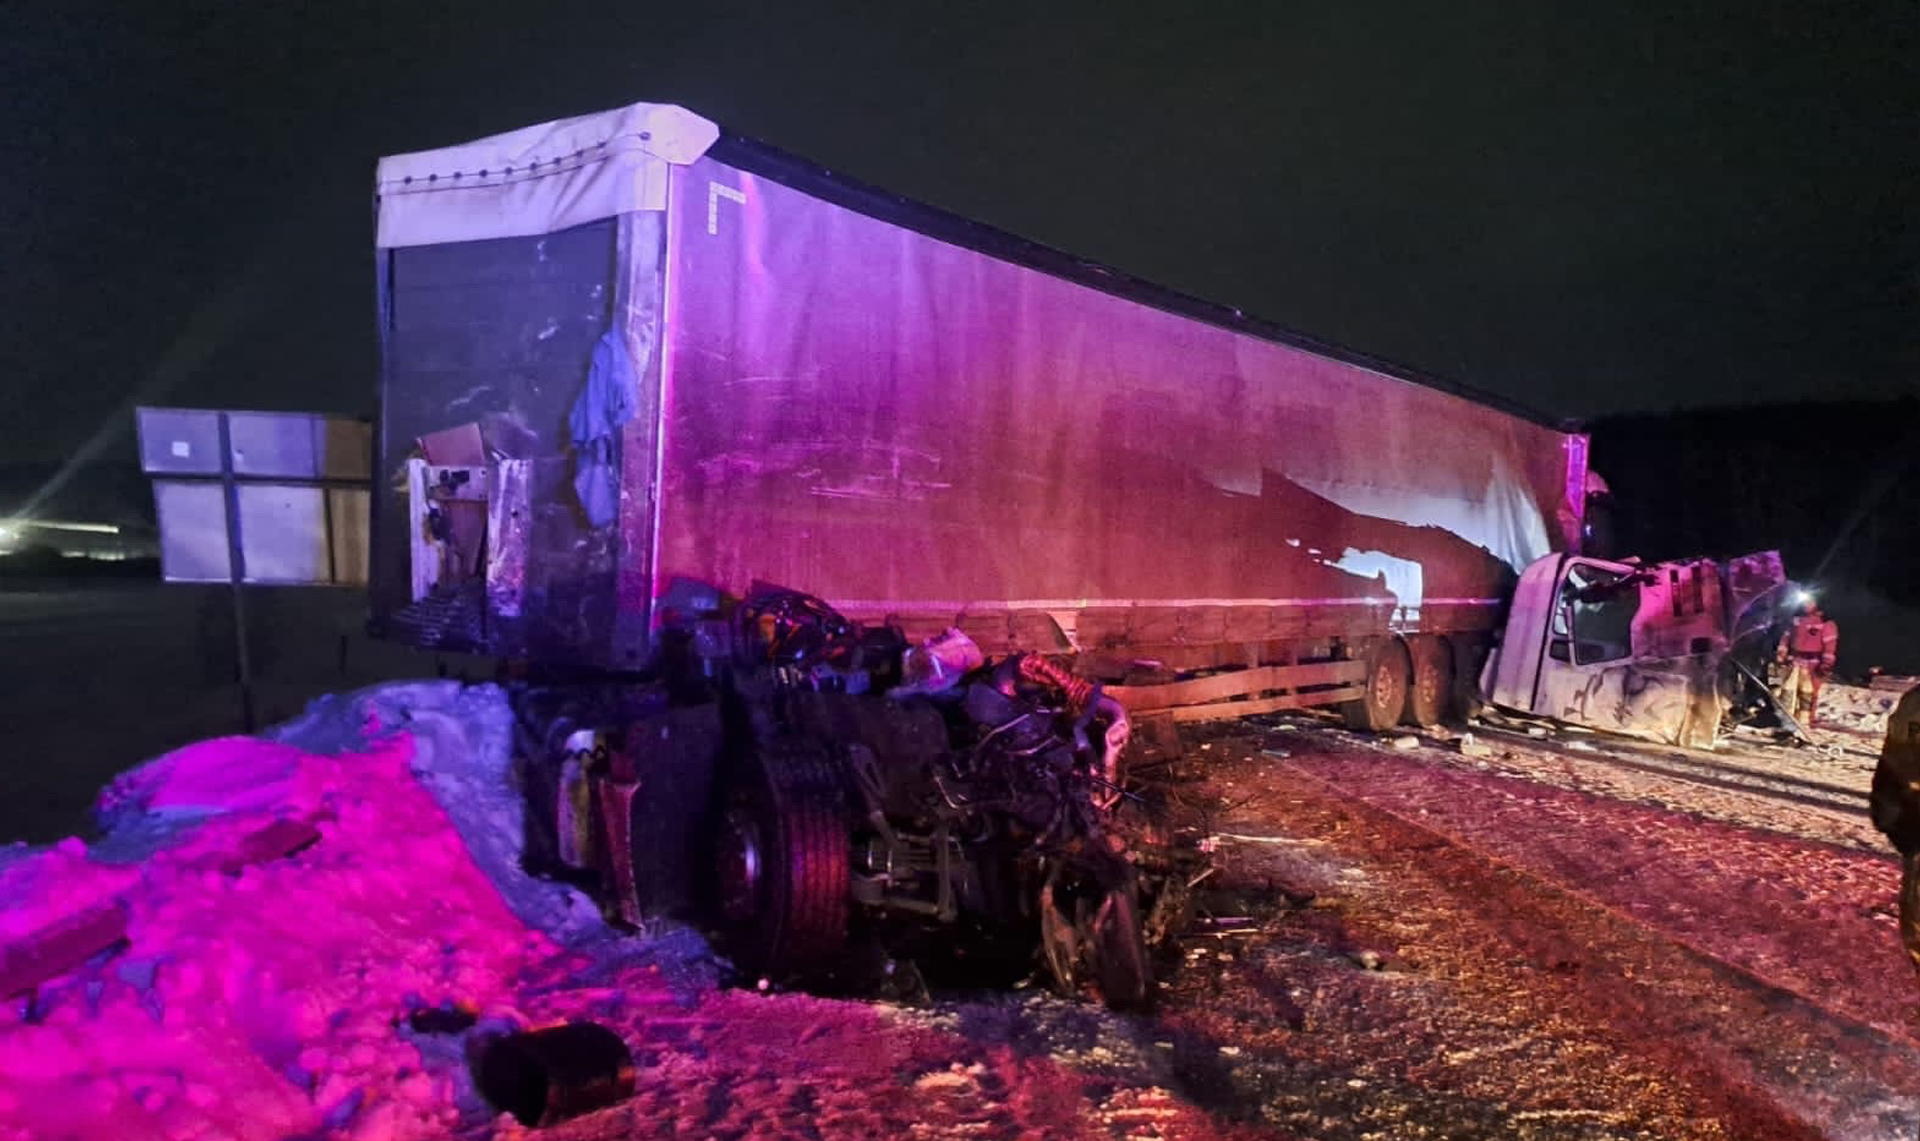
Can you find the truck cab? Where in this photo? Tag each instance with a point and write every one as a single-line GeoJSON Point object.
{"type": "Point", "coordinates": [1625, 647]}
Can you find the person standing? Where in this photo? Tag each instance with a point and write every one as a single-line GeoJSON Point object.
{"type": "Point", "coordinates": [1894, 805]}
{"type": "Point", "coordinates": [1807, 649]}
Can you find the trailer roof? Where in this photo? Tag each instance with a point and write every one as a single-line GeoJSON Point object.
{"type": "Point", "coordinates": [552, 176]}
{"type": "Point", "coordinates": [539, 179]}
{"type": "Point", "coordinates": [791, 170]}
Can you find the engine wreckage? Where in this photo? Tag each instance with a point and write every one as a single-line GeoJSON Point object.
{"type": "Point", "coordinates": [868, 795]}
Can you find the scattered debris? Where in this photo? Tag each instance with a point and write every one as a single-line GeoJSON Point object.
{"type": "Point", "coordinates": [283, 837]}
{"type": "Point", "coordinates": [543, 1077]}
{"type": "Point", "coordinates": [60, 946]}
{"type": "Point", "coordinates": [1471, 746]}
{"type": "Point", "coordinates": [397, 935]}
{"type": "Point", "coordinates": [1407, 742]}
{"type": "Point", "coordinates": [1369, 960]}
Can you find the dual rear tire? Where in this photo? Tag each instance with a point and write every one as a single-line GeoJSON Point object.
{"type": "Point", "coordinates": [1407, 680]}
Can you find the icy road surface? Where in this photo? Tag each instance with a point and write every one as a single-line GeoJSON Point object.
{"type": "Point", "coordinates": [1564, 939]}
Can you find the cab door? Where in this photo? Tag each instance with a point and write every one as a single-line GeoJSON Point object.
{"type": "Point", "coordinates": [1611, 661]}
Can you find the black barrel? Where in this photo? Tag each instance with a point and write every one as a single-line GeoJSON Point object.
{"type": "Point", "coordinates": [548, 1075]}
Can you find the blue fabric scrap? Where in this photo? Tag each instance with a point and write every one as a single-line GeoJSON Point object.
{"type": "Point", "coordinates": [603, 406]}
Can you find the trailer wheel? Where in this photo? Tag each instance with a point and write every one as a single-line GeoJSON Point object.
{"type": "Point", "coordinates": [1379, 708]}
{"type": "Point", "coordinates": [782, 862]}
{"type": "Point", "coordinates": [1430, 696]}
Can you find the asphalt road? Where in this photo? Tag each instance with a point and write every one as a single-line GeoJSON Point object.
{"type": "Point", "coordinates": [95, 678]}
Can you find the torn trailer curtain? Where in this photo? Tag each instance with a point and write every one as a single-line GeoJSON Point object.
{"type": "Point", "coordinates": [911, 415]}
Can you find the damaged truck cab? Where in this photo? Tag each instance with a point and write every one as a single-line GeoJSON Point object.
{"type": "Point", "coordinates": [1649, 651]}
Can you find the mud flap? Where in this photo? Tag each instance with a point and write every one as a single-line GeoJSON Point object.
{"type": "Point", "coordinates": [615, 801]}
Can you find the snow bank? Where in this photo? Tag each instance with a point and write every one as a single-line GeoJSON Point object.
{"type": "Point", "coordinates": [463, 754]}
{"type": "Point", "coordinates": [264, 994]}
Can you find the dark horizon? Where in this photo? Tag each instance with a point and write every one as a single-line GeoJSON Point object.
{"type": "Point", "coordinates": [1585, 213]}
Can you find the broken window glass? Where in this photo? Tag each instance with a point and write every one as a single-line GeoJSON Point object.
{"type": "Point", "coordinates": [1595, 615]}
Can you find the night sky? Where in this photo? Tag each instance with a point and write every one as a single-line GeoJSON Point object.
{"type": "Point", "coordinates": [1584, 209]}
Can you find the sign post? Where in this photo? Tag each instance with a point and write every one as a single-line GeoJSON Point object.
{"type": "Point", "coordinates": [236, 572]}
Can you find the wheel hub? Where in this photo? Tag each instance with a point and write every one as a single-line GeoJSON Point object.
{"type": "Point", "coordinates": [740, 867]}
{"type": "Point", "coordinates": [1427, 679]}
{"type": "Point", "coordinates": [1383, 683]}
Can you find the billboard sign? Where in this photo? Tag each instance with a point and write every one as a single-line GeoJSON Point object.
{"type": "Point", "coordinates": [265, 498]}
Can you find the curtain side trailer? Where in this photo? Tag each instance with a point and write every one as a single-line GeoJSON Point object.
{"type": "Point", "coordinates": [664, 363]}
{"type": "Point", "coordinates": [865, 534]}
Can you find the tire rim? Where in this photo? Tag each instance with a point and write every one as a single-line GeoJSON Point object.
{"type": "Point", "coordinates": [740, 867]}
{"type": "Point", "coordinates": [1427, 685]}
{"type": "Point", "coordinates": [1383, 684]}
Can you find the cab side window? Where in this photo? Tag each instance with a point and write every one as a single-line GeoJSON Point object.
{"type": "Point", "coordinates": [1593, 616]}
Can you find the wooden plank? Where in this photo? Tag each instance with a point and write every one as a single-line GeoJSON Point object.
{"type": "Point", "coordinates": [274, 840]}
{"type": "Point", "coordinates": [1221, 710]}
{"type": "Point", "coordinates": [1157, 631]}
{"type": "Point", "coordinates": [60, 946]}
{"type": "Point", "coordinates": [1037, 630]}
{"type": "Point", "coordinates": [1205, 624]}
{"type": "Point", "coordinates": [1237, 683]}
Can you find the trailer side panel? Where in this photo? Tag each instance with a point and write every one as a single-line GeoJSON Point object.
{"type": "Point", "coordinates": [906, 426]}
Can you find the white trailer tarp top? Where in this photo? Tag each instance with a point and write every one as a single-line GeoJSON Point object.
{"type": "Point", "coordinates": [540, 179]}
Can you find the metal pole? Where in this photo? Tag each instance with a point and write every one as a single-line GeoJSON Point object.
{"type": "Point", "coordinates": [236, 573]}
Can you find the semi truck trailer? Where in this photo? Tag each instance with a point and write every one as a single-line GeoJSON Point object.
{"type": "Point", "coordinates": [844, 543]}
{"type": "Point", "coordinates": [629, 355]}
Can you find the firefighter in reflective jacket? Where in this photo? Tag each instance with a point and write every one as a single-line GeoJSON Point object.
{"type": "Point", "coordinates": [1807, 650]}
{"type": "Point", "coordinates": [1895, 807]}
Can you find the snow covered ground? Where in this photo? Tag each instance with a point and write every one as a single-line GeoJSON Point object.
{"type": "Point", "coordinates": [263, 993]}
{"type": "Point", "coordinates": [1857, 708]}
{"type": "Point", "coordinates": [1563, 939]}
{"type": "Point", "coordinates": [266, 995]}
